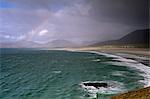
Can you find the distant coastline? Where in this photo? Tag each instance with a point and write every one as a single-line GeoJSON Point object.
{"type": "Point", "coordinates": [113, 49]}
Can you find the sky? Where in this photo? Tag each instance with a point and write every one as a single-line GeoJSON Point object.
{"type": "Point", "coordinates": [79, 21]}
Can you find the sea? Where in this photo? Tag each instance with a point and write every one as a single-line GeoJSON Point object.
{"type": "Point", "coordinates": [59, 74]}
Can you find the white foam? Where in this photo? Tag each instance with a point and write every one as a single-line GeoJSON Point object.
{"type": "Point", "coordinates": [125, 60]}
{"type": "Point", "coordinates": [97, 60]}
{"type": "Point", "coordinates": [56, 72]}
{"type": "Point", "coordinates": [134, 56]}
{"type": "Point", "coordinates": [113, 88]}
{"type": "Point", "coordinates": [130, 63]}
{"type": "Point", "coordinates": [118, 73]}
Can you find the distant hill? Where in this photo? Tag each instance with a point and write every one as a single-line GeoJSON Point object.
{"type": "Point", "coordinates": [136, 38]}
{"type": "Point", "coordinates": [31, 44]}
{"type": "Point", "coordinates": [19, 44]}
{"type": "Point", "coordinates": [60, 44]}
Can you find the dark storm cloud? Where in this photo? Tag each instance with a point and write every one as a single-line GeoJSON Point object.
{"type": "Point", "coordinates": [133, 12]}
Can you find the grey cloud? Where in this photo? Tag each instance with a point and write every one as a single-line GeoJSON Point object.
{"type": "Point", "coordinates": [43, 4]}
{"type": "Point", "coordinates": [18, 21]}
{"type": "Point", "coordinates": [133, 12]}
{"type": "Point", "coordinates": [77, 20]}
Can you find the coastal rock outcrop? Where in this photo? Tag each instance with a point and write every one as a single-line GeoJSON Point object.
{"type": "Point", "coordinates": [96, 84]}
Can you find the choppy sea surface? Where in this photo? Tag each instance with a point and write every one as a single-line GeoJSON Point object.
{"type": "Point", "coordinates": [52, 74]}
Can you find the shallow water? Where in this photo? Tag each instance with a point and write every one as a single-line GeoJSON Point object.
{"type": "Point", "coordinates": [43, 74]}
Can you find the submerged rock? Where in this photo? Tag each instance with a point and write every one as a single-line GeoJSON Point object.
{"type": "Point", "coordinates": [96, 84]}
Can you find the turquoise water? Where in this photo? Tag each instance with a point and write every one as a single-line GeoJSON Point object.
{"type": "Point", "coordinates": [43, 74]}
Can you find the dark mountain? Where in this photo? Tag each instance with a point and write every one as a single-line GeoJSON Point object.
{"type": "Point", "coordinates": [138, 37]}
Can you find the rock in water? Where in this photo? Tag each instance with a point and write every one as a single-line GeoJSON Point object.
{"type": "Point", "coordinates": [96, 85]}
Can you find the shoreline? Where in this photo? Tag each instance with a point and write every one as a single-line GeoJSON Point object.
{"type": "Point", "coordinates": [135, 51]}
{"type": "Point", "coordinates": [129, 62]}
{"type": "Point", "coordinates": [141, 56]}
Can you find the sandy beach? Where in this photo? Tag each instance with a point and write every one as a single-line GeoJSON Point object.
{"type": "Point", "coordinates": [137, 51]}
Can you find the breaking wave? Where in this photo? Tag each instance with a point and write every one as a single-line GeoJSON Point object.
{"type": "Point", "coordinates": [121, 61]}
{"type": "Point", "coordinates": [113, 87]}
